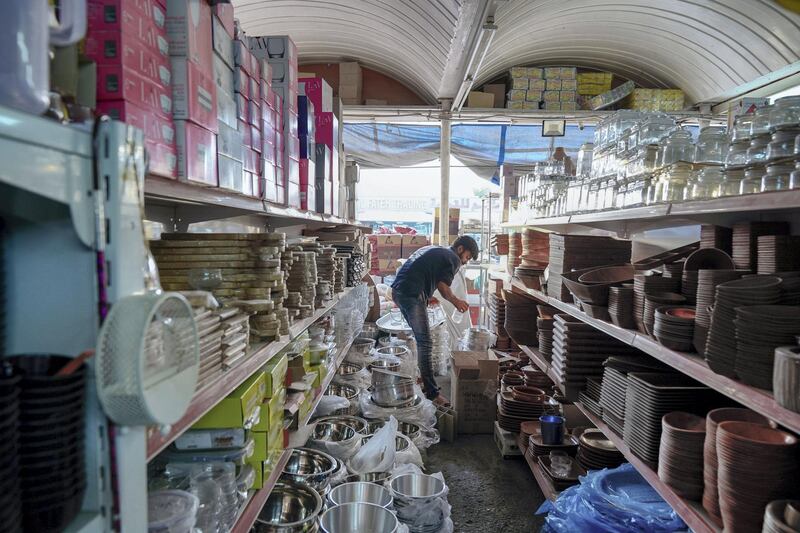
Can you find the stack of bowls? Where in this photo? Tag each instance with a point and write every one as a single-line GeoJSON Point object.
{"type": "Point", "coordinates": [310, 467]}
{"type": "Point", "coordinates": [389, 365]}
{"type": "Point", "coordinates": [290, 508]}
{"type": "Point", "coordinates": [346, 391]}
{"type": "Point", "coordinates": [782, 516]}
{"type": "Point", "coordinates": [649, 284]}
{"type": "Point", "coordinates": [759, 330]}
{"type": "Point", "coordinates": [721, 343]}
{"type": "Point", "coordinates": [706, 289]}
{"type": "Point", "coordinates": [545, 328]}
{"type": "Point", "coordinates": [536, 378]}
{"type": "Point", "coordinates": [702, 259]}
{"type": "Point", "coordinates": [361, 347]}
{"type": "Point", "coordinates": [757, 464]}
{"type": "Point", "coordinates": [596, 451]}
{"type": "Point", "coordinates": [710, 463]}
{"type": "Point", "coordinates": [10, 515]}
{"type": "Point", "coordinates": [356, 422]}
{"type": "Point", "coordinates": [333, 437]}
{"type": "Point", "coordinates": [620, 306]}
{"type": "Point", "coordinates": [390, 389]}
{"type": "Point", "coordinates": [170, 511]}
{"type": "Point", "coordinates": [786, 377]}
{"type": "Point", "coordinates": [51, 415]}
{"type": "Point", "coordinates": [358, 518]}
{"type": "Point", "coordinates": [401, 442]}
{"type": "Point", "coordinates": [410, 430]}
{"type": "Point", "coordinates": [413, 495]}
{"type": "Point", "coordinates": [360, 492]}
{"type": "Point", "coordinates": [674, 327]}
{"type": "Point", "coordinates": [680, 457]}
{"type": "Point", "coordinates": [400, 351]}
{"type": "Point", "coordinates": [379, 478]}
{"type": "Point", "coordinates": [653, 301]}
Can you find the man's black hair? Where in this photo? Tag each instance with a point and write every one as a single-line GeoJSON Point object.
{"type": "Point", "coordinates": [468, 243]}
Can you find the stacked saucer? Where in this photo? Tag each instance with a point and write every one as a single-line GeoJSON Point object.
{"type": "Point", "coordinates": [615, 385]}
{"type": "Point", "coordinates": [500, 242]}
{"type": "Point", "coordinates": [535, 247]}
{"type": "Point", "coordinates": [706, 290]}
{"type": "Point", "coordinates": [590, 398]}
{"type": "Point", "coordinates": [680, 459]}
{"type": "Point", "coordinates": [596, 451]}
{"type": "Point", "coordinates": [673, 270]}
{"type": "Point", "coordinates": [536, 378]}
{"type": "Point", "coordinates": [513, 409]}
{"type": "Point", "coordinates": [760, 330]}
{"type": "Point", "coordinates": [703, 259]}
{"type": "Point", "coordinates": [620, 306]}
{"type": "Point", "coordinates": [721, 343]}
{"type": "Point", "coordinates": [778, 253]}
{"type": "Point", "coordinates": [745, 241]}
{"type": "Point", "coordinates": [790, 287]}
{"type": "Point", "coordinates": [537, 448]}
{"type": "Point", "coordinates": [545, 327]}
{"type": "Point", "coordinates": [654, 300]}
{"type": "Point", "coordinates": [514, 251]}
{"type": "Point", "coordinates": [649, 284]}
{"type": "Point", "coordinates": [674, 327]}
{"type": "Point", "coordinates": [782, 516]}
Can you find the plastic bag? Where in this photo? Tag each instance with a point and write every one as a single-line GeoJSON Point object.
{"type": "Point", "coordinates": [423, 414]}
{"type": "Point", "coordinates": [468, 343]}
{"type": "Point", "coordinates": [378, 454]}
{"type": "Point", "coordinates": [410, 455]}
{"type": "Point", "coordinates": [406, 468]}
{"type": "Point", "coordinates": [427, 437]}
{"type": "Point", "coordinates": [360, 380]}
{"type": "Point", "coordinates": [342, 450]}
{"type": "Point", "coordinates": [426, 514]}
{"type": "Point", "coordinates": [631, 507]}
{"type": "Point", "coordinates": [456, 329]}
{"type": "Point", "coordinates": [330, 403]}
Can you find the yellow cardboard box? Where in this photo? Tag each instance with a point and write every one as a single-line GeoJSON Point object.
{"type": "Point", "coordinates": [271, 410]}
{"type": "Point", "coordinates": [275, 374]}
{"type": "Point", "coordinates": [275, 437]}
{"type": "Point", "coordinates": [239, 408]}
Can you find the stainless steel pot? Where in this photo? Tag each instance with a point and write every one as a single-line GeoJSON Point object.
{"type": "Point", "coordinates": [360, 492]}
{"type": "Point", "coordinates": [408, 429]}
{"type": "Point", "coordinates": [385, 364]}
{"type": "Point", "coordinates": [397, 351]}
{"type": "Point", "coordinates": [355, 422]}
{"type": "Point", "coordinates": [371, 477]}
{"type": "Point", "coordinates": [401, 442]}
{"type": "Point", "coordinates": [347, 391]}
{"type": "Point", "coordinates": [348, 369]}
{"type": "Point", "coordinates": [290, 508]}
{"type": "Point", "coordinates": [416, 488]}
{"type": "Point", "coordinates": [358, 518]}
{"type": "Point", "coordinates": [332, 432]}
{"type": "Point", "coordinates": [374, 425]}
{"type": "Point", "coordinates": [312, 467]}
{"type": "Point", "coordinates": [362, 346]}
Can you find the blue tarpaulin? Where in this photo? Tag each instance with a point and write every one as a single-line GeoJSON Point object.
{"type": "Point", "coordinates": [482, 147]}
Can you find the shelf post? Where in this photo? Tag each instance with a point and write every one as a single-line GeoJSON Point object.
{"type": "Point", "coordinates": [444, 198]}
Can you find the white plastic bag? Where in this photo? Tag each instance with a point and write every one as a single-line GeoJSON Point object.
{"type": "Point", "coordinates": [343, 450]}
{"type": "Point", "coordinates": [330, 403]}
{"type": "Point", "coordinates": [360, 380]}
{"type": "Point", "coordinates": [378, 454]}
{"type": "Point", "coordinates": [427, 437]}
{"type": "Point", "coordinates": [425, 514]}
{"type": "Point", "coordinates": [410, 455]}
{"type": "Point", "coordinates": [422, 414]}
{"type": "Point", "coordinates": [456, 329]}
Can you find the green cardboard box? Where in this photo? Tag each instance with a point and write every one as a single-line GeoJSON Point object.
{"type": "Point", "coordinates": [239, 408]}
{"type": "Point", "coordinates": [258, 466]}
{"type": "Point", "coordinates": [271, 410]}
{"type": "Point", "coordinates": [275, 374]}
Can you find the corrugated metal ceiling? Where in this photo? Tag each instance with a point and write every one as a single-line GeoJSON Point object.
{"type": "Point", "coordinates": [705, 47]}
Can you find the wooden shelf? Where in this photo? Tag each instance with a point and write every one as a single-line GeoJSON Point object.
{"type": "Point", "coordinates": [211, 394]}
{"type": "Point", "coordinates": [544, 482]}
{"type": "Point", "coordinates": [253, 507]}
{"type": "Point", "coordinates": [692, 365]}
{"type": "Point", "coordinates": [691, 512]}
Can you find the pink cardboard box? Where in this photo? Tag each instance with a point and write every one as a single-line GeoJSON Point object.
{"type": "Point", "coordinates": [247, 134]}
{"type": "Point", "coordinates": [189, 31]}
{"type": "Point", "coordinates": [257, 139]}
{"type": "Point", "coordinates": [328, 205]}
{"type": "Point", "coordinates": [162, 159]}
{"type": "Point", "coordinates": [241, 82]}
{"type": "Point", "coordinates": [319, 92]}
{"type": "Point", "coordinates": [197, 153]}
{"type": "Point", "coordinates": [229, 173]}
{"type": "Point", "coordinates": [242, 109]}
{"type": "Point", "coordinates": [293, 194]}
{"type": "Point", "coordinates": [251, 158]}
{"type": "Point", "coordinates": [157, 128]}
{"type": "Point", "coordinates": [276, 46]}
{"type": "Point", "coordinates": [254, 114]}
{"type": "Point", "coordinates": [325, 134]}
{"type": "Point", "coordinates": [109, 47]}
{"type": "Point", "coordinates": [124, 15]}
{"type": "Point", "coordinates": [124, 84]}
{"type": "Point", "coordinates": [242, 56]}
{"type": "Point", "coordinates": [224, 12]}
{"type": "Point", "coordinates": [248, 181]}
{"type": "Point", "coordinates": [280, 195]}
{"type": "Point", "coordinates": [133, 55]}
{"type": "Point", "coordinates": [194, 94]}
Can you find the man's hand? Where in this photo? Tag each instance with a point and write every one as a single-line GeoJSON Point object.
{"type": "Point", "coordinates": [460, 304]}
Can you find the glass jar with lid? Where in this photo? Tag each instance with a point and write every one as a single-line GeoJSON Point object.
{"type": "Point", "coordinates": [737, 153]}
{"type": "Point", "coordinates": [760, 124]}
{"type": "Point", "coordinates": [741, 127]}
{"type": "Point", "coordinates": [785, 113]}
{"type": "Point", "coordinates": [583, 166]}
{"type": "Point", "coordinates": [782, 143]}
{"type": "Point", "coordinates": [677, 178]}
{"type": "Point", "coordinates": [777, 177]}
{"type": "Point", "coordinates": [712, 145]}
{"type": "Point", "coordinates": [757, 151]}
{"type": "Point", "coordinates": [752, 179]}
{"type": "Point", "coordinates": [705, 183]}
{"type": "Point", "coordinates": [677, 147]}
{"type": "Point", "coordinates": [731, 182]}
{"type": "Point", "coordinates": [654, 128]}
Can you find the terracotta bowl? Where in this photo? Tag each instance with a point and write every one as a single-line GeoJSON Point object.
{"type": "Point", "coordinates": [736, 414]}
{"type": "Point", "coordinates": [755, 433]}
{"type": "Point", "coordinates": [527, 394]}
{"type": "Point", "coordinates": [709, 259]}
{"type": "Point", "coordinates": [679, 421]}
{"type": "Point", "coordinates": [611, 274]}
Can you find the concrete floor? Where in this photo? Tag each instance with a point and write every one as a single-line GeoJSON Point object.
{"type": "Point", "coordinates": [487, 493]}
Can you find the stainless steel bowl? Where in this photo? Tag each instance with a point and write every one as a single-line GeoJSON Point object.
{"type": "Point", "coordinates": [341, 389]}
{"type": "Point", "coordinates": [393, 395]}
{"type": "Point", "coordinates": [379, 478]}
{"type": "Point", "coordinates": [355, 422]}
{"type": "Point", "coordinates": [362, 345]}
{"type": "Point", "coordinates": [348, 369]}
{"type": "Point", "coordinates": [408, 429]}
{"type": "Point", "coordinates": [370, 330]}
{"type": "Point", "coordinates": [374, 425]}
{"type": "Point", "coordinates": [397, 351]}
{"type": "Point", "coordinates": [401, 442]}
{"type": "Point", "coordinates": [358, 518]}
{"type": "Point", "coordinates": [312, 467]}
{"type": "Point", "coordinates": [360, 492]}
{"type": "Point", "coordinates": [416, 488]}
{"type": "Point", "coordinates": [290, 508]}
{"type": "Point", "coordinates": [380, 376]}
{"type": "Point", "coordinates": [385, 364]}
{"type": "Point", "coordinates": [332, 432]}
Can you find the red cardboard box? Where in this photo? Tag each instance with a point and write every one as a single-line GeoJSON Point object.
{"type": "Point", "coordinates": [280, 195]}
{"type": "Point", "coordinates": [325, 131]}
{"type": "Point", "coordinates": [189, 31]}
{"type": "Point", "coordinates": [124, 15]}
{"type": "Point", "coordinates": [319, 92]}
{"type": "Point", "coordinates": [222, 41]}
{"type": "Point", "coordinates": [254, 113]}
{"type": "Point", "coordinates": [248, 182]}
{"type": "Point", "coordinates": [292, 147]}
{"type": "Point", "coordinates": [131, 54]}
{"type": "Point", "coordinates": [194, 94]}
{"type": "Point", "coordinates": [163, 159]}
{"type": "Point", "coordinates": [242, 108]}
{"type": "Point", "coordinates": [133, 88]}
{"type": "Point", "coordinates": [251, 158]}
{"type": "Point", "coordinates": [242, 56]}
{"type": "Point", "coordinates": [224, 13]}
{"type": "Point", "coordinates": [157, 128]}
{"type": "Point", "coordinates": [109, 47]}
{"type": "Point", "coordinates": [197, 153]}
{"type": "Point", "coordinates": [290, 126]}
{"type": "Point", "coordinates": [247, 137]}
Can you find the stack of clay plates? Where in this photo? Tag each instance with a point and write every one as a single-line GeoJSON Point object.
{"type": "Point", "coordinates": [673, 270]}
{"type": "Point", "coordinates": [720, 237]}
{"type": "Point", "coordinates": [614, 386]}
{"type": "Point", "coordinates": [778, 253]}
{"type": "Point", "coordinates": [497, 319]}
{"type": "Point", "coordinates": [537, 448]}
{"type": "Point", "coordinates": [209, 335]}
{"type": "Point", "coordinates": [535, 248]}
{"type": "Point", "coordinates": [520, 320]}
{"type": "Point", "coordinates": [706, 292]}
{"type": "Point", "coordinates": [500, 242]}
{"type": "Point", "coordinates": [702, 259]}
{"type": "Point", "coordinates": [649, 397]}
{"type": "Point", "coordinates": [674, 327]}
{"type": "Point", "coordinates": [721, 344]}
{"type": "Point", "coordinates": [653, 301]}
{"type": "Point", "coordinates": [596, 451]}
{"type": "Point", "coordinates": [512, 411]}
{"type": "Point", "coordinates": [536, 378]}
{"type": "Point", "coordinates": [578, 353]}
{"type": "Point", "coordinates": [590, 398]}
{"type": "Point", "coordinates": [545, 328]}
{"type": "Point", "coordinates": [576, 252]}
{"type": "Point", "coordinates": [514, 251]}
{"type": "Point", "coordinates": [745, 241]}
{"type": "Point", "coordinates": [680, 458]}
{"type": "Point", "coordinates": [620, 306]}
{"type": "Point", "coordinates": [760, 330]}
{"type": "Point", "coordinates": [649, 284]}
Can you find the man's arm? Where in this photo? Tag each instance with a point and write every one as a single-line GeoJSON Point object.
{"type": "Point", "coordinates": [447, 294]}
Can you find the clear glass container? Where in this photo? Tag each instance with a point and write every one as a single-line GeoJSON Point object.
{"type": "Point", "coordinates": [794, 177]}
{"type": "Point", "coordinates": [760, 124]}
{"type": "Point", "coordinates": [737, 153]}
{"type": "Point", "coordinates": [731, 182]}
{"type": "Point", "coordinates": [757, 151]}
{"type": "Point", "coordinates": [705, 183]}
{"type": "Point", "coordinates": [654, 128]}
{"type": "Point", "coordinates": [797, 145]}
{"type": "Point", "coordinates": [677, 178]}
{"type": "Point", "coordinates": [782, 143]}
{"type": "Point", "coordinates": [785, 113]}
{"type": "Point", "coordinates": [712, 145]}
{"type": "Point", "coordinates": [751, 183]}
{"type": "Point", "coordinates": [677, 147]}
{"type": "Point", "coordinates": [777, 178]}
{"type": "Point", "coordinates": [741, 127]}
{"type": "Point", "coordinates": [583, 165]}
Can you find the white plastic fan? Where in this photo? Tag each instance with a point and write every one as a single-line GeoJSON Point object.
{"type": "Point", "coordinates": [147, 359]}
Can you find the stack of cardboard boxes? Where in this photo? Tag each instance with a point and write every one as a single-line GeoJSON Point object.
{"type": "Point", "coordinates": [256, 406]}
{"type": "Point", "coordinates": [326, 141]}
{"type": "Point", "coordinates": [305, 130]}
{"type": "Point", "coordinates": [412, 243]}
{"type": "Point", "coordinates": [550, 88]}
{"type": "Point", "coordinates": [128, 42]}
{"type": "Point", "coordinates": [453, 225]}
{"type": "Point", "coordinates": [388, 248]}
{"type": "Point", "coordinates": [655, 100]}
{"type": "Point", "coordinates": [594, 83]}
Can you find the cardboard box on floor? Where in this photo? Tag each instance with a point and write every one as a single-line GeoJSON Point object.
{"type": "Point", "coordinates": [474, 380]}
